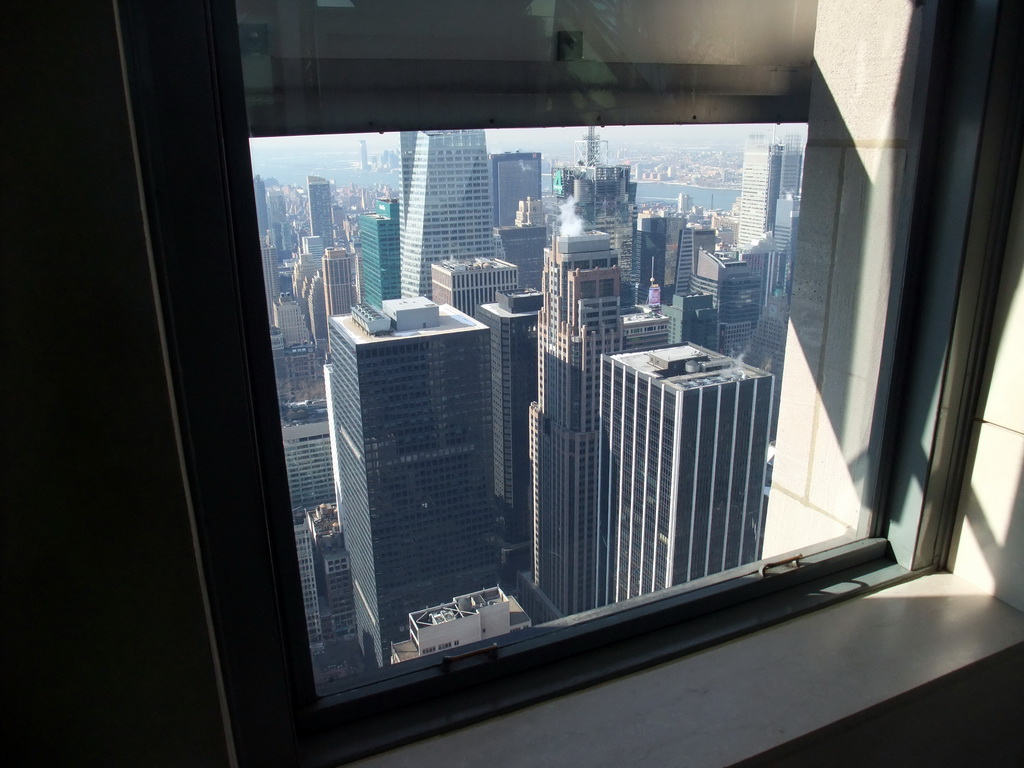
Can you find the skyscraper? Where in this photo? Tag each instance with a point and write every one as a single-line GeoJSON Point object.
{"type": "Point", "coordinates": [281, 235]}
{"type": "Point", "coordinates": [268, 255]}
{"type": "Point", "coordinates": [768, 347]}
{"type": "Point", "coordinates": [513, 324]}
{"type": "Point", "coordinates": [339, 288]}
{"type": "Point", "coordinates": [334, 565]}
{"type": "Point", "coordinates": [290, 318]}
{"type": "Point", "coordinates": [792, 169]}
{"type": "Point", "coordinates": [303, 270]}
{"type": "Point", "coordinates": [515, 176]}
{"type": "Point", "coordinates": [686, 436]}
{"type": "Point", "coordinates": [364, 164]}
{"type": "Point", "coordinates": [382, 263]}
{"type": "Point", "coordinates": [262, 212]}
{"type": "Point", "coordinates": [307, 458]}
{"type": "Point", "coordinates": [762, 166]}
{"type": "Point", "coordinates": [316, 308]}
{"type": "Point", "coordinates": [693, 319]}
{"type": "Point", "coordinates": [649, 251]}
{"type": "Point", "coordinates": [523, 243]}
{"type": "Point", "coordinates": [605, 199]}
{"type": "Point", "coordinates": [412, 413]}
{"type": "Point", "coordinates": [307, 575]}
{"type": "Point", "coordinates": [737, 291]}
{"type": "Point", "coordinates": [446, 203]}
{"type": "Point", "coordinates": [771, 169]}
{"type": "Point", "coordinates": [318, 192]}
{"type": "Point", "coordinates": [684, 259]}
{"type": "Point", "coordinates": [579, 322]}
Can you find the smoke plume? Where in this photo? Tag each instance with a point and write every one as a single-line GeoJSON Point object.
{"type": "Point", "coordinates": [569, 224]}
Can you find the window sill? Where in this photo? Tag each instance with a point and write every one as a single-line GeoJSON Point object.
{"type": "Point", "coordinates": [753, 695]}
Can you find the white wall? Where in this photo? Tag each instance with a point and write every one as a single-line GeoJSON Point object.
{"type": "Point", "coordinates": [853, 187]}
{"type": "Point", "coordinates": [989, 539]}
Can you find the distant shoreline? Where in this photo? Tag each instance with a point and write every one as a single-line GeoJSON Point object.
{"type": "Point", "coordinates": [692, 186]}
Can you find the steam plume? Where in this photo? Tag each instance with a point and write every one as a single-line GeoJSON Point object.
{"type": "Point", "coordinates": [569, 224]}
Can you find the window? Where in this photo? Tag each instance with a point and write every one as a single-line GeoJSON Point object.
{"type": "Point", "coordinates": [288, 97]}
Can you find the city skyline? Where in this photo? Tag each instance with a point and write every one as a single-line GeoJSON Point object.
{"type": "Point", "coordinates": [561, 552]}
{"type": "Point", "coordinates": [732, 136]}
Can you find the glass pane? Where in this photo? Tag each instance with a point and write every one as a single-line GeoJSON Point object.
{"type": "Point", "coordinates": [522, 373]}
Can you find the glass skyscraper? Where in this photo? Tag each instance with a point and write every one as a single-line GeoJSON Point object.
{"type": "Point", "coordinates": [411, 391]}
{"type": "Point", "coordinates": [446, 203]}
{"type": "Point", "coordinates": [515, 176]}
{"type": "Point", "coordinates": [318, 191]}
{"type": "Point", "coordinates": [381, 248]}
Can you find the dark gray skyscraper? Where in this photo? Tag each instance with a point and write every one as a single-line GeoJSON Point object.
{"type": "Point", "coordinates": [513, 324]}
{"type": "Point", "coordinates": [523, 243]}
{"type": "Point", "coordinates": [579, 322]}
{"type": "Point", "coordinates": [411, 391]}
{"type": "Point", "coordinates": [262, 212]}
{"type": "Point", "coordinates": [686, 436]}
{"type": "Point", "coordinates": [515, 176]}
{"type": "Point", "coordinates": [692, 318]}
{"type": "Point", "coordinates": [649, 250]}
{"type": "Point", "coordinates": [318, 190]}
{"type": "Point", "coordinates": [737, 291]}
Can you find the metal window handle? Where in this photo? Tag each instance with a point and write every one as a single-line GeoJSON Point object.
{"type": "Point", "coordinates": [794, 561]}
{"type": "Point", "coordinates": [490, 651]}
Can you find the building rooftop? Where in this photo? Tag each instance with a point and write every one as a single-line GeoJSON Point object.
{"type": "Point", "coordinates": [529, 299]}
{"type": "Point", "coordinates": [643, 318]}
{"type": "Point", "coordinates": [477, 262]}
{"type": "Point", "coordinates": [460, 607]}
{"type": "Point", "coordinates": [450, 320]}
{"type": "Point", "coordinates": [588, 241]}
{"type": "Point", "coordinates": [688, 366]}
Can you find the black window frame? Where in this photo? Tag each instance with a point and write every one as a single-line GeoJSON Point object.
{"type": "Point", "coordinates": [184, 79]}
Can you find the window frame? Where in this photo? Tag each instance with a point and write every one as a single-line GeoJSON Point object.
{"type": "Point", "coordinates": [184, 79]}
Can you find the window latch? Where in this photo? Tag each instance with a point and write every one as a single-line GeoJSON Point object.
{"type": "Point", "coordinates": [775, 567]}
{"type": "Point", "coordinates": [490, 651]}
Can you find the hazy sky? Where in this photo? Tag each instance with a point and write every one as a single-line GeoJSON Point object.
{"type": "Point", "coordinates": [554, 142]}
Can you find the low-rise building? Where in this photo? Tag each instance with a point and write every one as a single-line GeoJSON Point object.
{"type": "Point", "coordinates": [466, 619]}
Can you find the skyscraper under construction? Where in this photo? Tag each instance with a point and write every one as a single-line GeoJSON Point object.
{"type": "Point", "coordinates": [605, 198]}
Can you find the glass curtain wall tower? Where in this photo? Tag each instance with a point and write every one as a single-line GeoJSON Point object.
{"type": "Point", "coordinates": [513, 323]}
{"type": "Point", "coordinates": [515, 176]}
{"type": "Point", "coordinates": [446, 203]}
{"type": "Point", "coordinates": [382, 268]}
{"type": "Point", "coordinates": [321, 225]}
{"type": "Point", "coordinates": [771, 170]}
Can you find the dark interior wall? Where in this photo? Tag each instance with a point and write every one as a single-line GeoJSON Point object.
{"type": "Point", "coordinates": [107, 657]}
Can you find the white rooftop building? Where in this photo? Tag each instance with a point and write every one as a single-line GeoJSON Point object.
{"type": "Point", "coordinates": [466, 619]}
